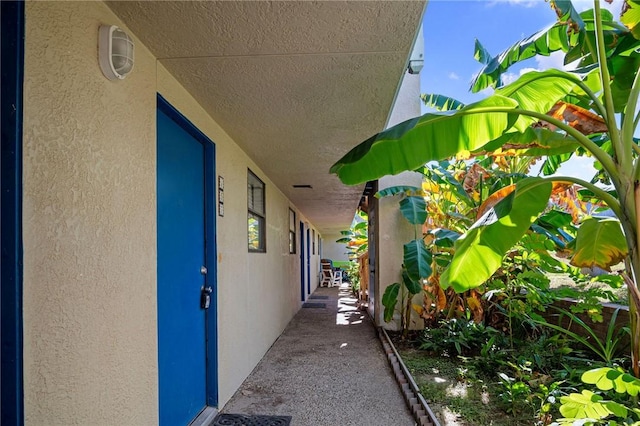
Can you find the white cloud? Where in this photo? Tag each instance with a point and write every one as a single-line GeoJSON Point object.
{"type": "Point", "coordinates": [555, 60]}
{"type": "Point", "coordinates": [510, 77]}
{"type": "Point", "coordinates": [453, 76]}
{"type": "Point", "coordinates": [487, 92]}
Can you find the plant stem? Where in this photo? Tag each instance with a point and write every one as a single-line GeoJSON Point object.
{"type": "Point", "coordinates": [597, 105]}
{"type": "Point", "coordinates": [600, 154]}
{"type": "Point", "coordinates": [605, 78]}
{"type": "Point", "coordinates": [510, 296]}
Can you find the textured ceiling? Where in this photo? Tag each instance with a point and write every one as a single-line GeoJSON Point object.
{"type": "Point", "coordinates": [295, 84]}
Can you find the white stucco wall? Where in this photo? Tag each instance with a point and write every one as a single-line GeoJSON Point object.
{"type": "Point", "coordinates": [90, 331]}
{"type": "Point", "coordinates": [332, 250]}
{"type": "Point", "coordinates": [408, 101]}
{"type": "Point", "coordinates": [89, 226]}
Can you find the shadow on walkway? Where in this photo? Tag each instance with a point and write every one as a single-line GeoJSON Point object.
{"type": "Point", "coordinates": [327, 368]}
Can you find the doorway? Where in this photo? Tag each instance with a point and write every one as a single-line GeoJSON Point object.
{"type": "Point", "coordinates": [187, 330]}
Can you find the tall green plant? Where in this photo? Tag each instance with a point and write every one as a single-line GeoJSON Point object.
{"type": "Point", "coordinates": [593, 109]}
{"type": "Point", "coordinates": [356, 238]}
{"type": "Point", "coordinates": [417, 258]}
{"type": "Point", "coordinates": [605, 348]}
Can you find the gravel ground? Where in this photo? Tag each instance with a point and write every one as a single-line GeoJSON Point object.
{"type": "Point", "coordinates": [327, 368]}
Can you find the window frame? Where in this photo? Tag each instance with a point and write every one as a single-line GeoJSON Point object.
{"type": "Point", "coordinates": [293, 242]}
{"type": "Point", "coordinates": [260, 217]}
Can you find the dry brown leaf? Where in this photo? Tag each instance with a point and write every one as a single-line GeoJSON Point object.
{"type": "Point", "coordinates": [577, 117]}
{"type": "Point", "coordinates": [473, 176]}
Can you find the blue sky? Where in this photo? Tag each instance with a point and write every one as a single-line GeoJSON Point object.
{"type": "Point", "coordinates": [451, 27]}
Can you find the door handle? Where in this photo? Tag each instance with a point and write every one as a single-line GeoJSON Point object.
{"type": "Point", "coordinates": [205, 297]}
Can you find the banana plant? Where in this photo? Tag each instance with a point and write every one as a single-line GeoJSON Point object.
{"type": "Point", "coordinates": [592, 109]}
{"type": "Point", "coordinates": [417, 258]}
{"type": "Point", "coordinates": [356, 237]}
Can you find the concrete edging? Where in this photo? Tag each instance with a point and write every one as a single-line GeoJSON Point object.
{"type": "Point", "coordinates": [423, 415]}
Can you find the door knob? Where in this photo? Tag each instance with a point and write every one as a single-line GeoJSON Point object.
{"type": "Point", "coordinates": [205, 297]}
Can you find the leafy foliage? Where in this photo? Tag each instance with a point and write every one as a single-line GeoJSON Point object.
{"type": "Point", "coordinates": [589, 407]}
{"type": "Point", "coordinates": [592, 110]}
{"type": "Point", "coordinates": [599, 243]}
{"type": "Point", "coordinates": [485, 243]}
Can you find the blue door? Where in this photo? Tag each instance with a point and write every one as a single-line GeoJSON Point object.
{"type": "Point", "coordinates": [308, 261]}
{"type": "Point", "coordinates": [183, 178]}
{"type": "Point", "coordinates": [302, 262]}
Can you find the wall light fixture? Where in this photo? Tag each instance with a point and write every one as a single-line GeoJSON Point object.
{"type": "Point", "coordinates": [115, 52]}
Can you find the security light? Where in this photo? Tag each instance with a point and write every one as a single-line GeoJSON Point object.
{"type": "Point", "coordinates": [115, 52]}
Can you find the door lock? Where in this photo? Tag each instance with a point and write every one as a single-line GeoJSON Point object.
{"type": "Point", "coordinates": [205, 297]}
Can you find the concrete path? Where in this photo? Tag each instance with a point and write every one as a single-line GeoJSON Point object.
{"type": "Point", "coordinates": [327, 368]}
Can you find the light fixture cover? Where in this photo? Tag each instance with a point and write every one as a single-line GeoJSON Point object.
{"type": "Point", "coordinates": [115, 52]}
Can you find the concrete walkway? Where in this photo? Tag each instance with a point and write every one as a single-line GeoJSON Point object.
{"type": "Point", "coordinates": [327, 368]}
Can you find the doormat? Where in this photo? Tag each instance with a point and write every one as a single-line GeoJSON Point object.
{"type": "Point", "coordinates": [314, 305]}
{"type": "Point", "coordinates": [242, 420]}
{"type": "Point", "coordinates": [313, 296]}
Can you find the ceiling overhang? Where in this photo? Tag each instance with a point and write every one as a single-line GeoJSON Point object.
{"type": "Point", "coordinates": [295, 84]}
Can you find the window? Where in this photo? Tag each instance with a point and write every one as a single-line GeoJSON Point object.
{"type": "Point", "coordinates": [313, 241]}
{"type": "Point", "coordinates": [292, 231]}
{"type": "Point", "coordinates": [256, 215]}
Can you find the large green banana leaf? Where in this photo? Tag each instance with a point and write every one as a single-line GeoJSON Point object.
{"type": "Point", "coordinates": [599, 243]}
{"type": "Point", "coordinates": [536, 142]}
{"type": "Point", "coordinates": [414, 209]}
{"type": "Point", "coordinates": [413, 286]}
{"type": "Point", "coordinates": [398, 189]}
{"type": "Point", "coordinates": [389, 300]}
{"type": "Point", "coordinates": [573, 34]}
{"type": "Point", "coordinates": [480, 250]}
{"type": "Point", "coordinates": [436, 136]}
{"type": "Point", "coordinates": [417, 260]}
{"type": "Point", "coordinates": [543, 43]}
{"type": "Point", "coordinates": [537, 91]}
{"type": "Point", "coordinates": [444, 237]}
{"type": "Point", "coordinates": [433, 136]}
{"type": "Point", "coordinates": [441, 102]}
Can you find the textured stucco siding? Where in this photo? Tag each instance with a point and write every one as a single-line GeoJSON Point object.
{"type": "Point", "coordinates": [332, 250]}
{"type": "Point", "coordinates": [90, 329]}
{"type": "Point", "coordinates": [89, 226]}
